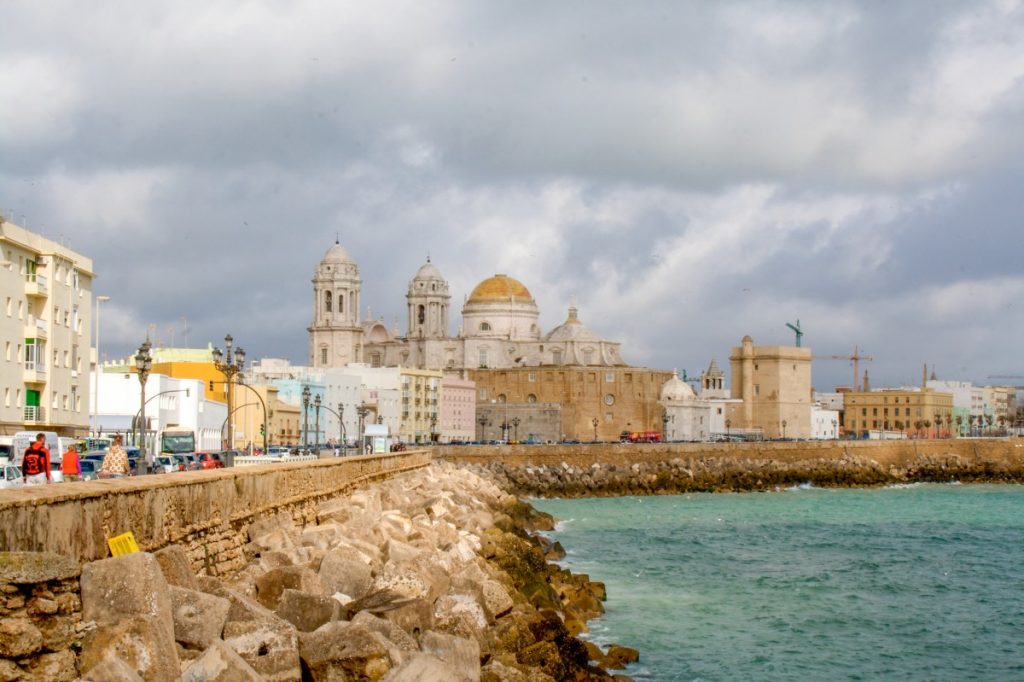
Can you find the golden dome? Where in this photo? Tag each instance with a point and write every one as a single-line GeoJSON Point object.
{"type": "Point", "coordinates": [500, 289]}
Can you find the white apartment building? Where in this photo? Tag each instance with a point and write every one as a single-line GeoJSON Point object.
{"type": "Point", "coordinates": [46, 299]}
{"type": "Point", "coordinates": [824, 422]}
{"type": "Point", "coordinates": [170, 403]}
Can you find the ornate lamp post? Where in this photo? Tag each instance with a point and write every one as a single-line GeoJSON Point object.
{"type": "Point", "coordinates": [316, 429]}
{"type": "Point", "coordinates": [783, 429]}
{"type": "Point", "coordinates": [143, 363]}
{"type": "Point", "coordinates": [433, 428]}
{"type": "Point", "coordinates": [728, 423]}
{"type": "Point", "coordinates": [362, 411]}
{"type": "Point", "coordinates": [594, 422]}
{"type": "Point", "coordinates": [341, 425]}
{"type": "Point", "coordinates": [229, 362]}
{"type": "Point", "coordinates": [305, 419]}
{"type": "Point", "coordinates": [484, 422]}
{"type": "Point", "coordinates": [515, 428]}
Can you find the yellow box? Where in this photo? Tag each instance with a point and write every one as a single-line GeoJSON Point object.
{"type": "Point", "coordinates": [123, 544]}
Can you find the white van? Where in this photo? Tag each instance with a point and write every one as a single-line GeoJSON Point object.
{"type": "Point", "coordinates": [22, 439]}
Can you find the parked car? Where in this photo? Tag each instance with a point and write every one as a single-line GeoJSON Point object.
{"type": "Point", "coordinates": [210, 460]}
{"type": "Point", "coordinates": [56, 475]}
{"type": "Point", "coordinates": [165, 464]}
{"type": "Point", "coordinates": [90, 469]}
{"type": "Point", "coordinates": [12, 477]}
{"type": "Point", "coordinates": [192, 462]}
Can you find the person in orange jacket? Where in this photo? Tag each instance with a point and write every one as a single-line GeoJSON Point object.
{"type": "Point", "coordinates": [70, 466]}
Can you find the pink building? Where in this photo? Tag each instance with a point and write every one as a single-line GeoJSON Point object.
{"type": "Point", "coordinates": [458, 409]}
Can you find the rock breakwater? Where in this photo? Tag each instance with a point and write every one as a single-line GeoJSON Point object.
{"type": "Point", "coordinates": [435, 575]}
{"type": "Point", "coordinates": [729, 474]}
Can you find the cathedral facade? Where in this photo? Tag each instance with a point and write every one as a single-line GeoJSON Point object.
{"type": "Point", "coordinates": [499, 326]}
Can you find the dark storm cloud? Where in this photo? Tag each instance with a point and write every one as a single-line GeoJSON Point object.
{"type": "Point", "coordinates": [691, 172]}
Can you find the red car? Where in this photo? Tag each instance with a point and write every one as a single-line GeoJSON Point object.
{"type": "Point", "coordinates": [210, 460]}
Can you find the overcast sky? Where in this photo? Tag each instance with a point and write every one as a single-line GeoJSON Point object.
{"type": "Point", "coordinates": [691, 172]}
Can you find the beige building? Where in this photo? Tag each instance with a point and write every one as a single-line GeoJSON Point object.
{"type": "Point", "coordinates": [457, 410]}
{"type": "Point", "coordinates": [774, 385]}
{"type": "Point", "coordinates": [619, 398]}
{"type": "Point", "coordinates": [285, 421]}
{"type": "Point", "coordinates": [46, 293]}
{"type": "Point", "coordinates": [421, 399]}
{"type": "Point", "coordinates": [923, 413]}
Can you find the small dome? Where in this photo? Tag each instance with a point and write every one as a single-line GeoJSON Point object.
{"type": "Point", "coordinates": [500, 289]}
{"type": "Point", "coordinates": [572, 330]}
{"type": "Point", "coordinates": [428, 271]}
{"type": "Point", "coordinates": [337, 254]}
{"type": "Point", "coordinates": [676, 389]}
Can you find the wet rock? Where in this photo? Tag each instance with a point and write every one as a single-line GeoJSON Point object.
{"type": "Point", "coordinates": [198, 617]}
{"type": "Point", "coordinates": [619, 656]}
{"type": "Point", "coordinates": [545, 656]}
{"type": "Point", "coordinates": [220, 663]}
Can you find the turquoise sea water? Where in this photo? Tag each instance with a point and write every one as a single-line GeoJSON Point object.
{"type": "Point", "coordinates": [921, 582]}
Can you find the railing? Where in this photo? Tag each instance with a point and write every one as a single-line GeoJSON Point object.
{"type": "Point", "coordinates": [39, 281]}
{"type": "Point", "coordinates": [35, 413]}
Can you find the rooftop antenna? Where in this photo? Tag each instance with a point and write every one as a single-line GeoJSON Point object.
{"type": "Point", "coordinates": [428, 256]}
{"type": "Point", "coordinates": [337, 237]}
{"type": "Point", "coordinates": [796, 329]}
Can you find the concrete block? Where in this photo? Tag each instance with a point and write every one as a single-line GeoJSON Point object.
{"type": "Point", "coordinates": [220, 663]}
{"type": "Point", "coordinates": [271, 584]}
{"type": "Point", "coordinates": [424, 668]}
{"type": "Point", "coordinates": [198, 617]}
{"type": "Point", "coordinates": [459, 653]}
{"type": "Point", "coordinates": [343, 570]}
{"type": "Point", "coordinates": [111, 669]}
{"type": "Point", "coordinates": [270, 646]}
{"type": "Point", "coordinates": [343, 651]}
{"type": "Point", "coordinates": [140, 641]}
{"type": "Point", "coordinates": [129, 585]}
{"type": "Point", "coordinates": [305, 611]}
{"type": "Point", "coordinates": [176, 567]}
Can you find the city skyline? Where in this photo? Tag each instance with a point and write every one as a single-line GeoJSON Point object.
{"type": "Point", "coordinates": [690, 173]}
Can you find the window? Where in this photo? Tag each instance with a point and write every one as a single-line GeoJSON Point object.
{"type": "Point", "coordinates": [609, 377]}
{"type": "Point", "coordinates": [588, 357]}
{"type": "Point", "coordinates": [7, 351]}
{"type": "Point", "coordinates": [483, 394]}
{"type": "Point", "coordinates": [21, 309]}
{"type": "Point", "coordinates": [327, 301]}
{"type": "Point", "coordinates": [502, 398]}
{"type": "Point", "coordinates": [421, 314]}
{"type": "Point", "coordinates": [485, 326]}
{"type": "Point", "coordinates": [757, 389]}
{"type": "Point", "coordinates": [53, 399]}
{"type": "Point", "coordinates": [76, 400]}
{"type": "Point", "coordinates": [323, 356]}
{"type": "Point", "coordinates": [531, 398]}
{"type": "Point", "coordinates": [64, 401]}
{"type": "Point", "coordinates": [9, 306]}
{"type": "Point", "coordinates": [483, 357]}
{"type": "Point", "coordinates": [556, 356]}
{"type": "Point", "coordinates": [531, 377]}
{"type": "Point", "coordinates": [7, 397]}
{"type": "Point", "coordinates": [609, 400]}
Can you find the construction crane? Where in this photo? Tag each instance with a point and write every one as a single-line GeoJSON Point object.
{"type": "Point", "coordinates": [796, 329]}
{"type": "Point", "coordinates": [855, 359]}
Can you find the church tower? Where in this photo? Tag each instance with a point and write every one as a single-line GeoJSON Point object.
{"type": "Point", "coordinates": [336, 336]}
{"type": "Point", "coordinates": [428, 300]}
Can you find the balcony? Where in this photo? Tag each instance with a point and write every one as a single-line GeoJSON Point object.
{"type": "Point", "coordinates": [36, 329]}
{"type": "Point", "coordinates": [35, 414]}
{"type": "Point", "coordinates": [34, 373]}
{"type": "Point", "coordinates": [36, 285]}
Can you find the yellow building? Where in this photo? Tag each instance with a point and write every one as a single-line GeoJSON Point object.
{"type": "Point", "coordinates": [181, 363]}
{"type": "Point", "coordinates": [285, 421]}
{"type": "Point", "coordinates": [774, 384]}
{"type": "Point", "coordinates": [421, 397]}
{"type": "Point", "coordinates": [920, 413]}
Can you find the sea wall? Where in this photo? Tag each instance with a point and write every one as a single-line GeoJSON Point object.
{"type": "Point", "coordinates": [206, 512]}
{"type": "Point", "coordinates": [626, 469]}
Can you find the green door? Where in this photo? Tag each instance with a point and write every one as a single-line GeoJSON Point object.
{"type": "Point", "coordinates": [31, 398]}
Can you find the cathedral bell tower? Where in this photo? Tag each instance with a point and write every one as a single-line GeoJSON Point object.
{"type": "Point", "coordinates": [428, 301]}
{"type": "Point", "coordinates": [336, 336]}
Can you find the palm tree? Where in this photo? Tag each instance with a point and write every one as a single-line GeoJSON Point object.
{"type": "Point", "coordinates": [988, 423]}
{"type": "Point", "coordinates": [1002, 424]}
{"type": "Point", "coordinates": [959, 424]}
{"type": "Point", "coordinates": [927, 425]}
{"type": "Point", "coordinates": [949, 421]}
{"type": "Point", "coordinates": [917, 428]}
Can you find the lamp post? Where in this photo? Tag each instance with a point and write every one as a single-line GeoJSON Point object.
{"type": "Point", "coordinates": [143, 363]}
{"type": "Point", "coordinates": [316, 429]}
{"type": "Point", "coordinates": [341, 425]}
{"type": "Point", "coordinates": [835, 429]}
{"type": "Point", "coordinates": [362, 411]}
{"type": "Point", "coordinates": [515, 426]}
{"type": "Point", "coordinates": [305, 419]}
{"type": "Point", "coordinates": [433, 428]}
{"type": "Point", "coordinates": [783, 429]}
{"type": "Point", "coordinates": [96, 371]}
{"type": "Point", "coordinates": [484, 422]}
{"type": "Point", "coordinates": [664, 425]}
{"type": "Point", "coordinates": [594, 422]}
{"type": "Point", "coordinates": [229, 362]}
{"type": "Point", "coordinates": [728, 423]}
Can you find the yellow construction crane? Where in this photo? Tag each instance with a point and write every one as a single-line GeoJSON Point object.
{"type": "Point", "coordinates": [856, 358]}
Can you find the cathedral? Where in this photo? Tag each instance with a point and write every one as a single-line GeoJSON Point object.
{"type": "Point", "coordinates": [499, 326]}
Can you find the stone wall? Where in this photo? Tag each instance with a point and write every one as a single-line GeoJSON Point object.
{"type": "Point", "coordinates": [1000, 451]}
{"type": "Point", "coordinates": [207, 512]}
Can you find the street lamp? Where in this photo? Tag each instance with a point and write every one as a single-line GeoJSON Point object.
{"type": "Point", "coordinates": [484, 422]}
{"type": "Point", "coordinates": [341, 425]}
{"type": "Point", "coordinates": [96, 371]}
{"type": "Point", "coordinates": [229, 362]}
{"type": "Point", "coordinates": [835, 429]}
{"type": "Point", "coordinates": [783, 429]}
{"type": "Point", "coordinates": [594, 422]}
{"type": "Point", "coordinates": [316, 430]}
{"type": "Point", "coordinates": [728, 423]}
{"type": "Point", "coordinates": [664, 425]}
{"type": "Point", "coordinates": [362, 411]}
{"type": "Point", "coordinates": [143, 363]}
{"type": "Point", "coordinates": [433, 428]}
{"type": "Point", "coordinates": [305, 419]}
{"type": "Point", "coordinates": [515, 426]}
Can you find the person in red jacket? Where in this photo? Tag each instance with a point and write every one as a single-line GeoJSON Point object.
{"type": "Point", "coordinates": [70, 466]}
{"type": "Point", "coordinates": [35, 463]}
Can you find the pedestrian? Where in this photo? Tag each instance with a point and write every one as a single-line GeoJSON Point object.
{"type": "Point", "coordinates": [70, 466]}
{"type": "Point", "coordinates": [115, 463]}
{"type": "Point", "coordinates": [35, 463]}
